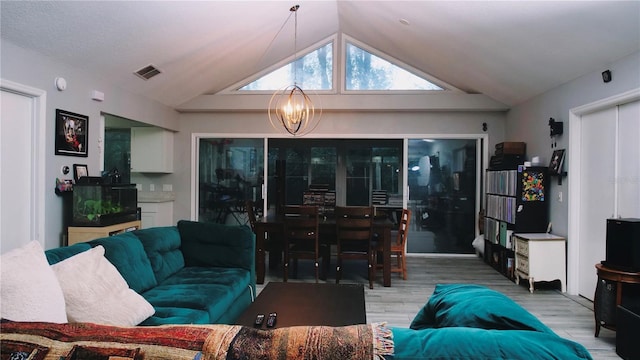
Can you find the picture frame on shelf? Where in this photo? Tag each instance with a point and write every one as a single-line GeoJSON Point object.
{"type": "Point", "coordinates": [72, 134]}
{"type": "Point", "coordinates": [557, 160]}
{"type": "Point", "coordinates": [79, 170]}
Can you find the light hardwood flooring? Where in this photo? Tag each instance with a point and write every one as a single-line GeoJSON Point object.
{"type": "Point", "coordinates": [569, 316]}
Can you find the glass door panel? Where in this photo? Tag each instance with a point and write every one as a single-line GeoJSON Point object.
{"type": "Point", "coordinates": [230, 172]}
{"type": "Point", "coordinates": [358, 170]}
{"type": "Point", "coordinates": [442, 195]}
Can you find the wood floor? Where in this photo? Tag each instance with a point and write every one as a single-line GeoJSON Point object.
{"type": "Point", "coordinates": [569, 316]}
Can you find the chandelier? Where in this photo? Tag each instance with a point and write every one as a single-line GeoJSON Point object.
{"type": "Point", "coordinates": [290, 107]}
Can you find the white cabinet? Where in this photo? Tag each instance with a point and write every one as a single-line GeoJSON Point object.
{"type": "Point", "coordinates": [540, 257]}
{"type": "Point", "coordinates": [156, 214]}
{"type": "Point", "coordinates": [151, 150]}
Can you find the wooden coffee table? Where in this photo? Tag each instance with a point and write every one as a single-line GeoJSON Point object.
{"type": "Point", "coordinates": [308, 304]}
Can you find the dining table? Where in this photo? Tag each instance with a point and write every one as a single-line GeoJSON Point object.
{"type": "Point", "coordinates": [271, 226]}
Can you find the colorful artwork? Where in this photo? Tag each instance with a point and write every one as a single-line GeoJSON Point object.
{"type": "Point", "coordinates": [71, 133]}
{"type": "Point", "coordinates": [532, 185]}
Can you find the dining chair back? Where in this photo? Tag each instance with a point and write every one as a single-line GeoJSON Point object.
{"type": "Point", "coordinates": [398, 249]}
{"type": "Point", "coordinates": [273, 241]}
{"type": "Point", "coordinates": [354, 231]}
{"type": "Point", "coordinates": [301, 240]}
{"type": "Point", "coordinates": [251, 214]}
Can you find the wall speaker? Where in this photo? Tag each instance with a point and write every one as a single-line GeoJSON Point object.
{"type": "Point", "coordinates": [606, 76]}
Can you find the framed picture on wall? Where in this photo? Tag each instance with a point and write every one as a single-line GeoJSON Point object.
{"type": "Point", "coordinates": [72, 133]}
{"type": "Point", "coordinates": [79, 171]}
{"type": "Point", "coordinates": [557, 160]}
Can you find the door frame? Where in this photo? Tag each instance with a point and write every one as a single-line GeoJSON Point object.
{"type": "Point", "coordinates": [38, 143]}
{"type": "Point", "coordinates": [575, 142]}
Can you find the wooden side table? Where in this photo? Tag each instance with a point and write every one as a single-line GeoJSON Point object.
{"type": "Point", "coordinates": [86, 233]}
{"type": "Point", "coordinates": [604, 311]}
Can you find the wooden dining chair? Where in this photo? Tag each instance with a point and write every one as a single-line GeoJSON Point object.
{"type": "Point", "coordinates": [301, 240]}
{"type": "Point", "coordinates": [251, 214]}
{"type": "Point", "coordinates": [273, 242]}
{"type": "Point", "coordinates": [354, 230]}
{"type": "Point", "coordinates": [398, 248]}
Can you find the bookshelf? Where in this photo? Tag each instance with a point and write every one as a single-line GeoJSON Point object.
{"type": "Point", "coordinates": [516, 201]}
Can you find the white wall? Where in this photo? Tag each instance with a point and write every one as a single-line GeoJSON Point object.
{"type": "Point", "coordinates": [528, 122]}
{"type": "Point", "coordinates": [34, 70]}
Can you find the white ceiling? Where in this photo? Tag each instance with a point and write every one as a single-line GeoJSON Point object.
{"type": "Point", "coordinates": [507, 50]}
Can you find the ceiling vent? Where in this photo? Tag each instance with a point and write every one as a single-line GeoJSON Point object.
{"type": "Point", "coordinates": [148, 72]}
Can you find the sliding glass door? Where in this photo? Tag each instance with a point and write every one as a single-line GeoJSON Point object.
{"type": "Point", "coordinates": [442, 195]}
{"type": "Point", "coordinates": [441, 176]}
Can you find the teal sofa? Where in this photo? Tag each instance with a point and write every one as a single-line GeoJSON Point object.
{"type": "Point", "coordinates": [192, 273]}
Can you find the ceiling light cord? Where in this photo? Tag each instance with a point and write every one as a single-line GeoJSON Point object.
{"type": "Point", "coordinates": [290, 108]}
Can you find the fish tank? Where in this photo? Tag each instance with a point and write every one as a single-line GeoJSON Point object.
{"type": "Point", "coordinates": [104, 204]}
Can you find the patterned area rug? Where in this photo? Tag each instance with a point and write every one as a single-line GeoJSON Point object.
{"type": "Point", "coordinates": [300, 343]}
{"type": "Point", "coordinates": [47, 341]}
{"type": "Point", "coordinates": [34, 340]}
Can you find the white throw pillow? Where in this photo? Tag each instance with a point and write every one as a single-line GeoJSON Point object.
{"type": "Point", "coordinates": [94, 291]}
{"type": "Point", "coordinates": [29, 290]}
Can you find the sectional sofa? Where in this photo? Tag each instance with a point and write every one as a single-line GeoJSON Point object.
{"type": "Point", "coordinates": [192, 273]}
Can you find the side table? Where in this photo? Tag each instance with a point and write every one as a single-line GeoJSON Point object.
{"type": "Point", "coordinates": [604, 309]}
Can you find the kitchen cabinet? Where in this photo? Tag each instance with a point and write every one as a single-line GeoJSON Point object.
{"type": "Point", "coordinates": [151, 150]}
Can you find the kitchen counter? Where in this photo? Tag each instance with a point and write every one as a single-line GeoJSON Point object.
{"type": "Point", "coordinates": [156, 196]}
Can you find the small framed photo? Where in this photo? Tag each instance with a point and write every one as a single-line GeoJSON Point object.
{"type": "Point", "coordinates": [557, 160]}
{"type": "Point", "coordinates": [72, 133]}
{"type": "Point", "coordinates": [79, 171]}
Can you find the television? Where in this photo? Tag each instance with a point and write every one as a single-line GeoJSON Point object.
{"type": "Point", "coordinates": [623, 244]}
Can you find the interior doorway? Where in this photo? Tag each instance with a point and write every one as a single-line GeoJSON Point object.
{"type": "Point", "coordinates": [22, 131]}
{"type": "Point", "coordinates": [603, 181]}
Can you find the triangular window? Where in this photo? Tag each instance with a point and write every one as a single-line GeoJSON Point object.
{"type": "Point", "coordinates": [367, 72]}
{"type": "Point", "coordinates": [313, 71]}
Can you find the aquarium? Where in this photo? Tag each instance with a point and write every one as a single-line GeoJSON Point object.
{"type": "Point", "coordinates": [104, 204]}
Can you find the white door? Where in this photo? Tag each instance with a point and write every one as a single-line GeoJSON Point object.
{"type": "Point", "coordinates": [609, 176]}
{"type": "Point", "coordinates": [21, 173]}
{"type": "Point", "coordinates": [628, 177]}
{"type": "Point", "coordinates": [597, 155]}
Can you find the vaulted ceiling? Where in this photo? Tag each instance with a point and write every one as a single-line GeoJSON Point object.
{"type": "Point", "coordinates": [507, 50]}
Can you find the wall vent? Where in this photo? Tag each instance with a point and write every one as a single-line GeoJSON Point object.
{"type": "Point", "coordinates": [148, 72]}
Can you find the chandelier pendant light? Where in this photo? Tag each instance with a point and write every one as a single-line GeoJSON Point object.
{"type": "Point", "coordinates": [290, 107]}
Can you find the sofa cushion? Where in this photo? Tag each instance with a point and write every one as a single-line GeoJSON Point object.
{"type": "Point", "coordinates": [177, 315]}
{"type": "Point", "coordinates": [209, 289]}
{"type": "Point", "coordinates": [94, 291]}
{"type": "Point", "coordinates": [162, 245]}
{"type": "Point", "coordinates": [29, 290]}
{"type": "Point", "coordinates": [453, 305]}
{"type": "Point", "coordinates": [482, 344]}
{"type": "Point", "coordinates": [58, 254]}
{"type": "Point", "coordinates": [126, 253]}
{"type": "Point", "coordinates": [211, 244]}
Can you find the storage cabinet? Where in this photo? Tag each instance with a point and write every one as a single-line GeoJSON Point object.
{"type": "Point", "coordinates": [86, 233]}
{"type": "Point", "coordinates": [540, 257]}
{"type": "Point", "coordinates": [156, 214]}
{"type": "Point", "coordinates": [151, 150]}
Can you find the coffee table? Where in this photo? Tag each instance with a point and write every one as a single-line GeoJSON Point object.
{"type": "Point", "coordinates": [308, 304]}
